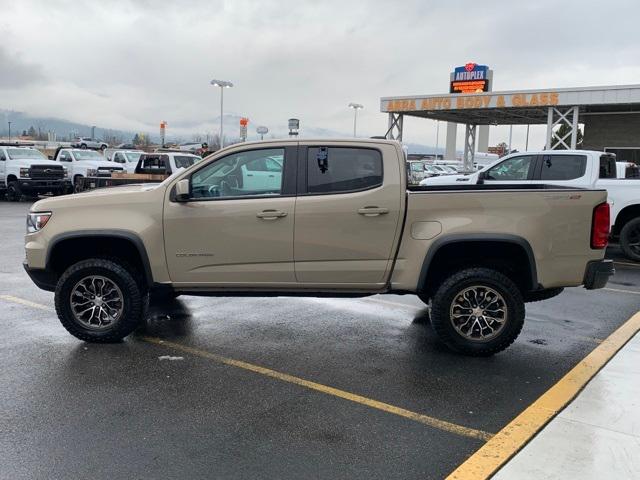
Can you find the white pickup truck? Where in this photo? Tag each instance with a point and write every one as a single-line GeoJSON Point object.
{"type": "Point", "coordinates": [572, 168]}
{"type": "Point", "coordinates": [26, 171]}
{"type": "Point", "coordinates": [85, 163]}
{"type": "Point", "coordinates": [128, 159]}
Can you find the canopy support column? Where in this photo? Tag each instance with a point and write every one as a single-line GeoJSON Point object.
{"type": "Point", "coordinates": [469, 148]}
{"type": "Point", "coordinates": [569, 117]}
{"type": "Point", "coordinates": [395, 126]}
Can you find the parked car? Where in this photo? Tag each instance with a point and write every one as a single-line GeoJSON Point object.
{"type": "Point", "coordinates": [126, 158]}
{"type": "Point", "coordinates": [85, 163]}
{"type": "Point", "coordinates": [571, 168]}
{"type": "Point", "coordinates": [165, 163]}
{"type": "Point", "coordinates": [416, 171]}
{"type": "Point", "coordinates": [88, 142]}
{"type": "Point", "coordinates": [26, 171]}
{"type": "Point", "coordinates": [328, 218]}
{"type": "Point", "coordinates": [431, 171]}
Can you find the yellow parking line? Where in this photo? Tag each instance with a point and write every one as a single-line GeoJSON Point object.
{"type": "Point", "coordinates": [27, 303]}
{"type": "Point", "coordinates": [508, 441]}
{"type": "Point", "coordinates": [385, 407]}
{"type": "Point", "coordinates": [621, 291]}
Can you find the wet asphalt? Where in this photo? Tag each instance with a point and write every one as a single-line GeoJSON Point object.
{"type": "Point", "coordinates": [74, 410]}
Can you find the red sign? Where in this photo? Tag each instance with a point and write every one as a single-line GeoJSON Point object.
{"type": "Point", "coordinates": [469, 66]}
{"type": "Point", "coordinates": [244, 121]}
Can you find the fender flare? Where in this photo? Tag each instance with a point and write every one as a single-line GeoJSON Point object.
{"type": "Point", "coordinates": [108, 233]}
{"type": "Point", "coordinates": [479, 237]}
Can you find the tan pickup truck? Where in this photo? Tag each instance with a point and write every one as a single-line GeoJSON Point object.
{"type": "Point", "coordinates": [317, 218]}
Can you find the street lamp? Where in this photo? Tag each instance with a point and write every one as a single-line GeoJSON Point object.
{"type": "Point", "coordinates": [222, 84]}
{"type": "Point", "coordinates": [355, 107]}
{"type": "Point", "coordinates": [9, 130]}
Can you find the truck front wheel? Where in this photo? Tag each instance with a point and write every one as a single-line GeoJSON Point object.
{"type": "Point", "coordinates": [14, 193]}
{"type": "Point", "coordinates": [630, 239]}
{"type": "Point", "coordinates": [99, 301]}
{"type": "Point", "coordinates": [477, 311]}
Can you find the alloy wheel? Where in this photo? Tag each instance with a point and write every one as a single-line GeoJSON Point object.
{"type": "Point", "coordinates": [478, 313]}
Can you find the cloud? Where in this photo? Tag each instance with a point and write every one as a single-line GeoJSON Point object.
{"type": "Point", "coordinates": [128, 64]}
{"type": "Point", "coordinates": [16, 73]}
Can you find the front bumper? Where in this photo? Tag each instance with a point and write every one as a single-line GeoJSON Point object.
{"type": "Point", "coordinates": [597, 274]}
{"type": "Point", "coordinates": [31, 185]}
{"type": "Point", "coordinates": [44, 279]}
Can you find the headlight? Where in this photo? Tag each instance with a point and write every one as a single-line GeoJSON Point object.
{"type": "Point", "coordinates": [66, 172]}
{"type": "Point", "coordinates": [24, 173]}
{"type": "Point", "coordinates": [37, 221]}
{"type": "Point", "coordinates": [92, 172]}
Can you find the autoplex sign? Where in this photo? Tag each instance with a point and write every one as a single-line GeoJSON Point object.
{"type": "Point", "coordinates": [470, 78]}
{"type": "Point", "coordinates": [461, 102]}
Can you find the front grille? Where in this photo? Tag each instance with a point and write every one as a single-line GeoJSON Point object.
{"type": "Point", "coordinates": [107, 171]}
{"type": "Point", "coordinates": [46, 172]}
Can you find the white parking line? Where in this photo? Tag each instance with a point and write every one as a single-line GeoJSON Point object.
{"type": "Point", "coordinates": [634, 292]}
{"type": "Point", "coordinates": [394, 304]}
{"type": "Point", "coordinates": [636, 265]}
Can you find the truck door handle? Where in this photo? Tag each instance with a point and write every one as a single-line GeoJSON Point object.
{"type": "Point", "coordinates": [373, 211]}
{"type": "Point", "coordinates": [271, 214]}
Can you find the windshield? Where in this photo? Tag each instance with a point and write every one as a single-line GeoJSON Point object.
{"type": "Point", "coordinates": [132, 157]}
{"type": "Point", "coordinates": [30, 153]}
{"type": "Point", "coordinates": [184, 161]}
{"type": "Point", "coordinates": [416, 167]}
{"type": "Point", "coordinates": [87, 155]}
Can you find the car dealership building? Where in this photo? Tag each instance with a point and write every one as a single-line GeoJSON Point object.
{"type": "Point", "coordinates": [610, 114]}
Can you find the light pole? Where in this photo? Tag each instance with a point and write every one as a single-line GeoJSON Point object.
{"type": "Point", "coordinates": [356, 107]}
{"type": "Point", "coordinates": [9, 130]}
{"type": "Point", "coordinates": [222, 84]}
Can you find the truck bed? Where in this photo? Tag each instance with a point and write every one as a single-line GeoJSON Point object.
{"type": "Point", "coordinates": [552, 223]}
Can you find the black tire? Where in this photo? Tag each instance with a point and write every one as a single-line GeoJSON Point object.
{"type": "Point", "coordinates": [630, 239]}
{"type": "Point", "coordinates": [478, 279]}
{"type": "Point", "coordinates": [540, 295]}
{"type": "Point", "coordinates": [133, 305]}
{"type": "Point", "coordinates": [77, 187]}
{"type": "Point", "coordinates": [103, 147]}
{"type": "Point", "coordinates": [83, 146]}
{"type": "Point", "coordinates": [14, 194]}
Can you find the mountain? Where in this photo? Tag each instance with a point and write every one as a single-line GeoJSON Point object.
{"type": "Point", "coordinates": [65, 130]}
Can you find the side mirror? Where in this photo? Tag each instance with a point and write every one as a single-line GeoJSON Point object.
{"type": "Point", "coordinates": [182, 190]}
{"type": "Point", "coordinates": [482, 176]}
{"type": "Point", "coordinates": [50, 157]}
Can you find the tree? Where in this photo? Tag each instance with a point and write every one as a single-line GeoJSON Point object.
{"type": "Point", "coordinates": [136, 139]}
{"type": "Point", "coordinates": [561, 132]}
{"type": "Point", "coordinates": [32, 132]}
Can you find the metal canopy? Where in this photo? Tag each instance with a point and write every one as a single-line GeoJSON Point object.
{"type": "Point", "coordinates": [519, 107]}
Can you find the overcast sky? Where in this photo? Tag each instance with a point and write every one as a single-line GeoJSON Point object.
{"type": "Point", "coordinates": [127, 64]}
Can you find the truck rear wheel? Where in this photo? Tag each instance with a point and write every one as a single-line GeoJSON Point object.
{"type": "Point", "coordinates": [99, 301]}
{"type": "Point", "coordinates": [630, 239]}
{"type": "Point", "coordinates": [478, 312]}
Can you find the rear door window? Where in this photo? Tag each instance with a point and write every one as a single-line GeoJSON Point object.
{"type": "Point", "coordinates": [563, 167]}
{"type": "Point", "coordinates": [337, 169]}
{"type": "Point", "coordinates": [608, 168]}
